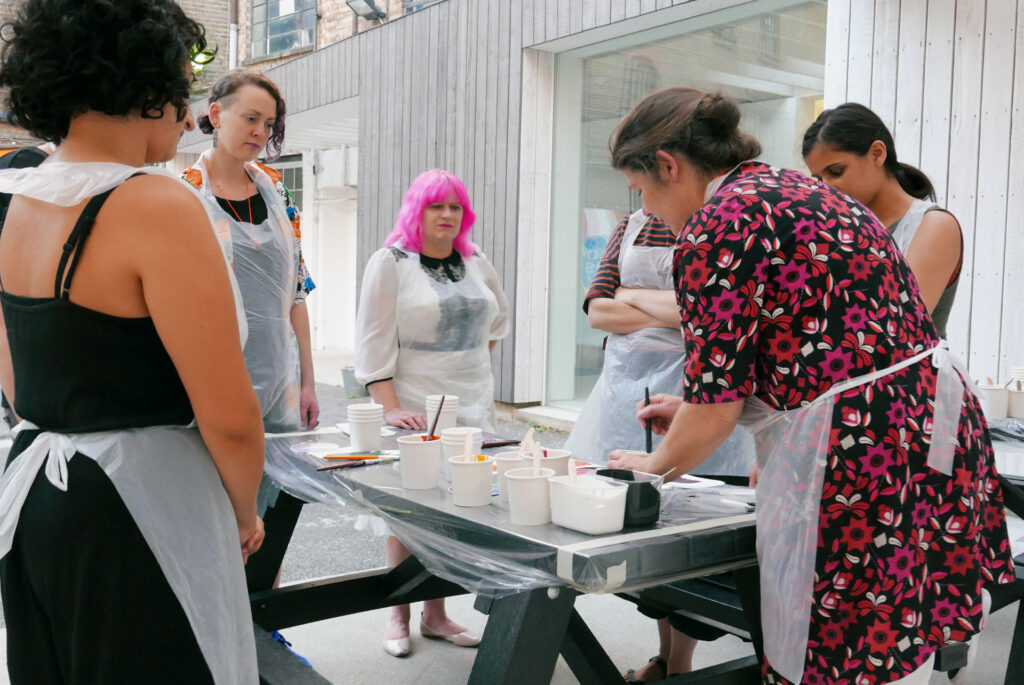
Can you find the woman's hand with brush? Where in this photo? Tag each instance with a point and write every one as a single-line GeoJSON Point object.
{"type": "Point", "coordinates": [659, 412]}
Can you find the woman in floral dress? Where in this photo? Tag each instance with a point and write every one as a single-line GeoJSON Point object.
{"type": "Point", "coordinates": [802, 319]}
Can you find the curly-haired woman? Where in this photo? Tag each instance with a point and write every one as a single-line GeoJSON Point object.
{"type": "Point", "coordinates": [123, 527]}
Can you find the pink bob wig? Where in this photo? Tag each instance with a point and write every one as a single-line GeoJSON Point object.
{"type": "Point", "coordinates": [430, 187]}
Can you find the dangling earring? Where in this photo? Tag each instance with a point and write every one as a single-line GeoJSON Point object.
{"type": "Point", "coordinates": [215, 131]}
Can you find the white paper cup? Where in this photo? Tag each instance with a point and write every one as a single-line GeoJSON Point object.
{"type": "Point", "coordinates": [420, 461]}
{"type": "Point", "coordinates": [557, 460]}
{"type": "Point", "coordinates": [506, 461]}
{"type": "Point", "coordinates": [1015, 404]}
{"type": "Point", "coordinates": [994, 401]}
{"type": "Point", "coordinates": [364, 424]}
{"type": "Point", "coordinates": [529, 501]}
{"type": "Point", "coordinates": [591, 505]}
{"type": "Point", "coordinates": [471, 481]}
{"type": "Point", "coordinates": [448, 412]}
{"type": "Point", "coordinates": [454, 442]}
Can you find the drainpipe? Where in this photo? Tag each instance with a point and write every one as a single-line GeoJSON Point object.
{"type": "Point", "coordinates": [233, 35]}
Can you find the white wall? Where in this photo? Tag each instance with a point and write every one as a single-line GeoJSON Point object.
{"type": "Point", "coordinates": [329, 246]}
{"type": "Point", "coordinates": [941, 74]}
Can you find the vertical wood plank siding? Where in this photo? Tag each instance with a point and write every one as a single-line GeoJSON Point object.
{"type": "Point", "coordinates": [444, 87]}
{"type": "Point", "coordinates": [957, 108]}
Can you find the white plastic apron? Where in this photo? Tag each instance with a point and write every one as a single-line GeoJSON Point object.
{"type": "Point", "coordinates": [263, 257]}
{"type": "Point", "coordinates": [167, 480]}
{"type": "Point", "coordinates": [443, 343]}
{"type": "Point", "coordinates": [650, 358]}
{"type": "Point", "coordinates": [792, 450]}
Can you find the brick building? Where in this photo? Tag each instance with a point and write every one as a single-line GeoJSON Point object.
{"type": "Point", "coordinates": [214, 15]}
{"type": "Point", "coordinates": [263, 40]}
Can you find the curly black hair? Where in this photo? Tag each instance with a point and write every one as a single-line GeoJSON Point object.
{"type": "Point", "coordinates": [62, 58]}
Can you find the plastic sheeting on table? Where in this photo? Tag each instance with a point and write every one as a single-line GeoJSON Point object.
{"type": "Point", "coordinates": [700, 531]}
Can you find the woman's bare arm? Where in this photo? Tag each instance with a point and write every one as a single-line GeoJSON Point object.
{"type": "Point", "coordinates": [187, 291]}
{"type": "Point", "coordinates": [933, 254]}
{"type": "Point", "coordinates": [661, 304]}
{"type": "Point", "coordinates": [614, 316]}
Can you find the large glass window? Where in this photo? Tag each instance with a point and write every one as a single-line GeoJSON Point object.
{"type": "Point", "coordinates": [767, 55]}
{"type": "Point", "coordinates": [280, 25]}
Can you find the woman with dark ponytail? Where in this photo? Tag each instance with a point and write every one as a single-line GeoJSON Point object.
{"type": "Point", "coordinates": [851, 149]}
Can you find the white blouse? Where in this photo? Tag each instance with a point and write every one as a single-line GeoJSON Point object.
{"type": "Point", "coordinates": [426, 324]}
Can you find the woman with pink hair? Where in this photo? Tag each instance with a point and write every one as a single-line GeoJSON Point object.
{"type": "Point", "coordinates": [430, 312]}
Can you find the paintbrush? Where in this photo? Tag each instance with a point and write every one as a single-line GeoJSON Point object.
{"type": "Point", "coordinates": [433, 424]}
{"type": "Point", "coordinates": [647, 423]}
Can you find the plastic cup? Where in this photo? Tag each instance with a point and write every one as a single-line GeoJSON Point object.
{"type": "Point", "coordinates": [420, 461]}
{"type": "Point", "coordinates": [643, 495]}
{"type": "Point", "coordinates": [471, 481]}
{"type": "Point", "coordinates": [529, 499]}
{"type": "Point", "coordinates": [448, 412]}
{"type": "Point", "coordinates": [994, 401]}
{"type": "Point", "coordinates": [454, 442]}
{"type": "Point", "coordinates": [364, 424]}
{"type": "Point", "coordinates": [506, 461]}
{"type": "Point", "coordinates": [592, 504]}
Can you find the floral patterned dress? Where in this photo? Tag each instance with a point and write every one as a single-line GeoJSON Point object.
{"type": "Point", "coordinates": [787, 287]}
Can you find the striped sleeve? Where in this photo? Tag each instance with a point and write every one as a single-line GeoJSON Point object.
{"type": "Point", "coordinates": [606, 280]}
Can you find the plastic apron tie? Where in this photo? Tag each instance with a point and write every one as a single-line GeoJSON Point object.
{"type": "Point", "coordinates": [49, 451]}
{"type": "Point", "coordinates": [792, 452]}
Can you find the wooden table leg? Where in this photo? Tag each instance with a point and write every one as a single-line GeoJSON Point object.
{"type": "Point", "coordinates": [524, 634]}
{"type": "Point", "coordinates": [585, 655]}
{"type": "Point", "coordinates": [748, 585]}
{"type": "Point", "coordinates": [279, 523]}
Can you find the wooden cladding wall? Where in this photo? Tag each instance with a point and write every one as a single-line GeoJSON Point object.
{"type": "Point", "coordinates": [945, 76]}
{"type": "Point", "coordinates": [442, 87]}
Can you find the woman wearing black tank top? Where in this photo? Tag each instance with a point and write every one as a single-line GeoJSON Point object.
{"type": "Point", "coordinates": [123, 526]}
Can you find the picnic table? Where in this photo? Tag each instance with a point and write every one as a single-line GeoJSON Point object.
{"type": "Point", "coordinates": [526, 578]}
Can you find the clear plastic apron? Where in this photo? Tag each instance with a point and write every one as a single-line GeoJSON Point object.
{"type": "Point", "coordinates": [167, 480]}
{"type": "Point", "coordinates": [650, 358]}
{"type": "Point", "coordinates": [443, 343]}
{"type": "Point", "coordinates": [792, 451]}
{"type": "Point", "coordinates": [263, 257]}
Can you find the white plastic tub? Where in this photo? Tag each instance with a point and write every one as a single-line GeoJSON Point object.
{"type": "Point", "coordinates": [593, 504]}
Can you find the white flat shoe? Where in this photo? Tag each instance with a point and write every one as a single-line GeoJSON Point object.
{"type": "Point", "coordinates": [462, 639]}
{"type": "Point", "coordinates": [398, 647]}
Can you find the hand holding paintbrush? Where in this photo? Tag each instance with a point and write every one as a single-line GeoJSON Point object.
{"type": "Point", "coordinates": [659, 413]}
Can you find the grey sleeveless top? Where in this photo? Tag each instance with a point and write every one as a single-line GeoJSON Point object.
{"type": "Point", "coordinates": [903, 232]}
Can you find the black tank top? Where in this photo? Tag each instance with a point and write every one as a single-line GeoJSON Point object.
{"type": "Point", "coordinates": [79, 370]}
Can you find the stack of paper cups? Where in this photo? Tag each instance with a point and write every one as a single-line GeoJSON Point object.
{"type": "Point", "coordinates": [364, 424]}
{"type": "Point", "coordinates": [453, 442]}
{"type": "Point", "coordinates": [448, 411]}
{"type": "Point", "coordinates": [1016, 374]}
